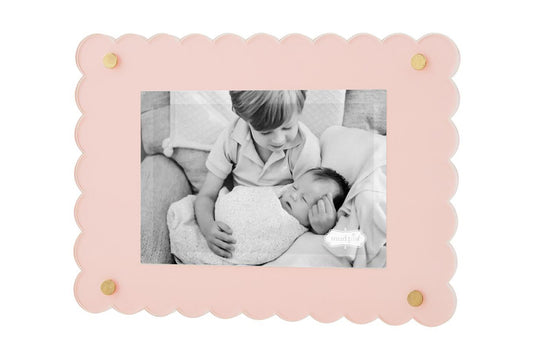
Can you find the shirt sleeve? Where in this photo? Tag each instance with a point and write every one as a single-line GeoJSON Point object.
{"type": "Point", "coordinates": [219, 160]}
{"type": "Point", "coordinates": [305, 156]}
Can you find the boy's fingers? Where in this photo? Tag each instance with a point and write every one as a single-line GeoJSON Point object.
{"type": "Point", "coordinates": [223, 245]}
{"type": "Point", "coordinates": [224, 227]}
{"type": "Point", "coordinates": [224, 237]}
{"type": "Point", "coordinates": [219, 252]}
{"type": "Point", "coordinates": [222, 253]}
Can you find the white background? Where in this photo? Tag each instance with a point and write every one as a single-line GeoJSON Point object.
{"type": "Point", "coordinates": [38, 76]}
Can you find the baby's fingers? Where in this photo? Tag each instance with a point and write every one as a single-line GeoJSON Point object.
{"type": "Point", "coordinates": [321, 206]}
{"type": "Point", "coordinates": [314, 211]}
{"type": "Point", "coordinates": [330, 206]}
{"type": "Point", "coordinates": [311, 217]}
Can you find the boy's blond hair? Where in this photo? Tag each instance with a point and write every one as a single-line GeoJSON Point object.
{"type": "Point", "coordinates": [267, 110]}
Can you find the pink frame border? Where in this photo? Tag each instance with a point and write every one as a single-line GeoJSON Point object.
{"type": "Point", "coordinates": [421, 179]}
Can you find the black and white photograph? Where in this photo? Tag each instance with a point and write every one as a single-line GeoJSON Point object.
{"type": "Point", "coordinates": [286, 178]}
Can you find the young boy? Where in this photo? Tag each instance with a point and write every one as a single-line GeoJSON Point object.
{"type": "Point", "coordinates": [266, 146]}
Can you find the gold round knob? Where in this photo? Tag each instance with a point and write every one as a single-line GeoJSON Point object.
{"type": "Point", "coordinates": [110, 60]}
{"type": "Point", "coordinates": [108, 287]}
{"type": "Point", "coordinates": [418, 62]}
{"type": "Point", "coordinates": [415, 298]}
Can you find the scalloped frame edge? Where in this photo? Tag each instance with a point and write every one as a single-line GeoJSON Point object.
{"type": "Point", "coordinates": [93, 101]}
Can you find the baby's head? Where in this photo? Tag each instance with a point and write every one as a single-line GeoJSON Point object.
{"type": "Point", "coordinates": [272, 115]}
{"type": "Point", "coordinates": [309, 188]}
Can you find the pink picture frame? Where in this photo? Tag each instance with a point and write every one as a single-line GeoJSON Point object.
{"type": "Point", "coordinates": [421, 99]}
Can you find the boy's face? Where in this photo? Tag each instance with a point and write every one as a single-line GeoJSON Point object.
{"type": "Point", "coordinates": [275, 140]}
{"type": "Point", "coordinates": [304, 193]}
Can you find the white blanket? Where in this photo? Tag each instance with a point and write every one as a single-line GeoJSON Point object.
{"type": "Point", "coordinates": [262, 229]}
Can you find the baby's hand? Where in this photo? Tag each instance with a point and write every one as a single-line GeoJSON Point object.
{"type": "Point", "coordinates": [322, 216]}
{"type": "Point", "coordinates": [219, 239]}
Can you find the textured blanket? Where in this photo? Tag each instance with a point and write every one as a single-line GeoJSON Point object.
{"type": "Point", "coordinates": [262, 229]}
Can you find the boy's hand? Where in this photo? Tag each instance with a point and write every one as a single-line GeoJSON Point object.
{"type": "Point", "coordinates": [322, 216]}
{"type": "Point", "coordinates": [219, 239]}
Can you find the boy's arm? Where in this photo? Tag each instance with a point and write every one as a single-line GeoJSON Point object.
{"type": "Point", "coordinates": [204, 204]}
{"type": "Point", "coordinates": [220, 160]}
{"type": "Point", "coordinates": [217, 234]}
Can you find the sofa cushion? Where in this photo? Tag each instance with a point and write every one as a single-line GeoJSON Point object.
{"type": "Point", "coordinates": [151, 100]}
{"type": "Point", "coordinates": [367, 110]}
{"type": "Point", "coordinates": [155, 115]}
{"type": "Point", "coordinates": [162, 183]}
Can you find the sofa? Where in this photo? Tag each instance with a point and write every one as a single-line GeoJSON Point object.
{"type": "Point", "coordinates": [171, 172]}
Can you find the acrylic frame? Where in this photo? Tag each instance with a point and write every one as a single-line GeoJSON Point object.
{"type": "Point", "coordinates": [420, 177]}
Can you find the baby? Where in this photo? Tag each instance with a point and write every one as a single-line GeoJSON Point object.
{"type": "Point", "coordinates": [265, 221]}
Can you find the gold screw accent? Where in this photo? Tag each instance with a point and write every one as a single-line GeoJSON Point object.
{"type": "Point", "coordinates": [418, 62]}
{"type": "Point", "coordinates": [415, 298]}
{"type": "Point", "coordinates": [108, 287]}
{"type": "Point", "coordinates": [110, 60]}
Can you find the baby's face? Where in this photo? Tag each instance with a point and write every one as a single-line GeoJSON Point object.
{"type": "Point", "coordinates": [304, 193]}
